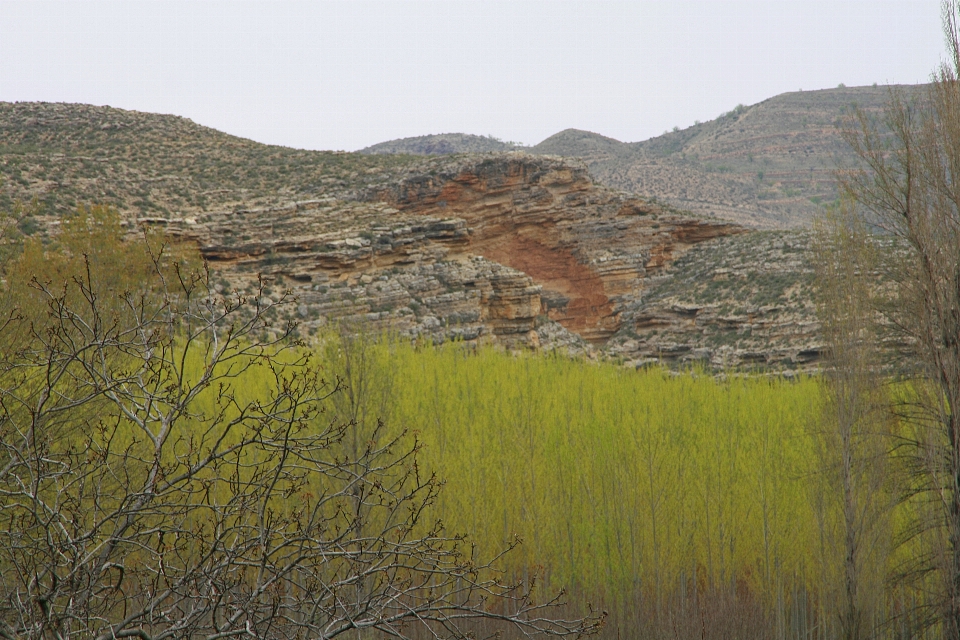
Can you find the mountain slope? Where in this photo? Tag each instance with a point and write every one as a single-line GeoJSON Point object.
{"type": "Point", "coordinates": [768, 165]}
{"type": "Point", "coordinates": [441, 144]}
{"type": "Point", "coordinates": [157, 165]}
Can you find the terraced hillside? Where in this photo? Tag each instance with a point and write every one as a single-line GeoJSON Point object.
{"type": "Point", "coordinates": [769, 165]}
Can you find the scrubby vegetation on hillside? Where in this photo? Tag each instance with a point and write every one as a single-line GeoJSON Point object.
{"type": "Point", "coordinates": [65, 155]}
{"type": "Point", "coordinates": [441, 144]}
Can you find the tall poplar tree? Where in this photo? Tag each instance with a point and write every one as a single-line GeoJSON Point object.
{"type": "Point", "coordinates": [909, 187]}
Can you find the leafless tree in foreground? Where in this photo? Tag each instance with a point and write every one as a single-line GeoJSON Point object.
{"type": "Point", "coordinates": [910, 186]}
{"type": "Point", "coordinates": [167, 469]}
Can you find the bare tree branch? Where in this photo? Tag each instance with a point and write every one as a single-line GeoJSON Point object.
{"type": "Point", "coordinates": [169, 468]}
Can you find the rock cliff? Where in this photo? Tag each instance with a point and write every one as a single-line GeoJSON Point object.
{"type": "Point", "coordinates": [497, 247]}
{"type": "Point", "coordinates": [590, 248]}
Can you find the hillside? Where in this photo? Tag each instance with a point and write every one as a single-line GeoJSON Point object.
{"type": "Point", "coordinates": [158, 165]}
{"type": "Point", "coordinates": [511, 248]}
{"type": "Point", "coordinates": [441, 144]}
{"type": "Point", "coordinates": [768, 165]}
{"type": "Point", "coordinates": [744, 300]}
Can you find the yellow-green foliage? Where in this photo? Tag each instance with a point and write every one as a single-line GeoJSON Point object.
{"type": "Point", "coordinates": [618, 481]}
{"type": "Point", "coordinates": [635, 489]}
{"type": "Point", "coordinates": [89, 261]}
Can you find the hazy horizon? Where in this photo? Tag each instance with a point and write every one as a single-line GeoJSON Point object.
{"type": "Point", "coordinates": [346, 75]}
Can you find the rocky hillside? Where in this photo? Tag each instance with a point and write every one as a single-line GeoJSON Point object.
{"type": "Point", "coordinates": [768, 165]}
{"type": "Point", "coordinates": [518, 249]}
{"type": "Point", "coordinates": [744, 301]}
{"type": "Point", "coordinates": [441, 144]}
{"type": "Point", "coordinates": [158, 165]}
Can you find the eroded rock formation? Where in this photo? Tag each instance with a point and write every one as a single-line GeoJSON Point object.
{"type": "Point", "coordinates": [491, 247]}
{"type": "Point", "coordinates": [589, 247]}
{"type": "Point", "coordinates": [507, 248]}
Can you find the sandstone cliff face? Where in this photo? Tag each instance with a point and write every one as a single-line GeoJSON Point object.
{"type": "Point", "coordinates": [367, 262]}
{"type": "Point", "coordinates": [501, 247]}
{"type": "Point", "coordinates": [590, 248]}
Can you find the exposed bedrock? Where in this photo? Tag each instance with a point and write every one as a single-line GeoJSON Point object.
{"type": "Point", "coordinates": [589, 247]}
{"type": "Point", "coordinates": [498, 247]}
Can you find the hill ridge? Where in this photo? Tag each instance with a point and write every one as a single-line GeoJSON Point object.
{"type": "Point", "coordinates": [441, 144]}
{"type": "Point", "coordinates": [768, 165]}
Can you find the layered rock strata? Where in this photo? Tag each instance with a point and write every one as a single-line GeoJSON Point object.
{"type": "Point", "coordinates": [367, 262]}
{"type": "Point", "coordinates": [590, 248]}
{"type": "Point", "coordinates": [507, 247]}
{"type": "Point", "coordinates": [743, 302]}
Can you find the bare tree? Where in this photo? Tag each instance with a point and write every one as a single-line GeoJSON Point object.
{"type": "Point", "coordinates": [909, 187]}
{"type": "Point", "coordinates": [168, 468]}
{"type": "Point", "coordinates": [852, 432]}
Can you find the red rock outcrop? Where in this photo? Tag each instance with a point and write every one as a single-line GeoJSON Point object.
{"type": "Point", "coordinates": [589, 247]}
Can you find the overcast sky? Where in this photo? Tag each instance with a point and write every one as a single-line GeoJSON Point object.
{"type": "Point", "coordinates": [326, 74]}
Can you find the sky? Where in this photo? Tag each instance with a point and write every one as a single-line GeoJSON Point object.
{"type": "Point", "coordinates": [332, 74]}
